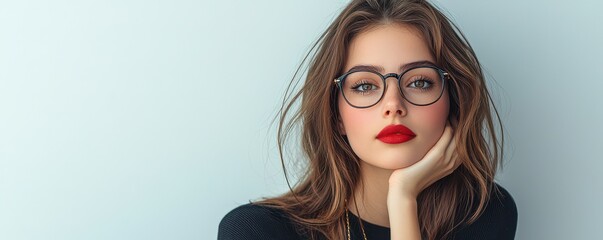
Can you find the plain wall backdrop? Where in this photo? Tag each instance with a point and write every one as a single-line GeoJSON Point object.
{"type": "Point", "coordinates": [151, 119]}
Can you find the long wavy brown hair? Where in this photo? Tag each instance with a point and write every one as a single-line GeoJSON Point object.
{"type": "Point", "coordinates": [316, 203]}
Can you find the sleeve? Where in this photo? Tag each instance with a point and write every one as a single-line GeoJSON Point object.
{"type": "Point", "coordinates": [252, 222]}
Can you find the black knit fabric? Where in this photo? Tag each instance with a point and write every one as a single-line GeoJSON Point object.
{"type": "Point", "coordinates": [249, 221]}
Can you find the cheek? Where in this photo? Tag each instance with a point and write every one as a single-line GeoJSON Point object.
{"type": "Point", "coordinates": [350, 117]}
{"type": "Point", "coordinates": [433, 118]}
{"type": "Point", "coordinates": [354, 120]}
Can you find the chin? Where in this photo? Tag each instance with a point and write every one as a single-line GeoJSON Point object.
{"type": "Point", "coordinates": [402, 164]}
{"type": "Point", "coordinates": [393, 164]}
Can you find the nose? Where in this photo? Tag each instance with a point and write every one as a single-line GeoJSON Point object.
{"type": "Point", "coordinates": [393, 102]}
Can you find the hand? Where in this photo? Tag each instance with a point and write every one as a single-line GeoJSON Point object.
{"type": "Point", "coordinates": [408, 182]}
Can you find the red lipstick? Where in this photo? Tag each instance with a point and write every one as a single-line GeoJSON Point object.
{"type": "Point", "coordinates": [394, 134]}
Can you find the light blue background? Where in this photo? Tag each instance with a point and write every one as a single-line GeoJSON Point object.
{"type": "Point", "coordinates": [151, 119]}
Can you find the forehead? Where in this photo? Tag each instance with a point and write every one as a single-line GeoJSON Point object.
{"type": "Point", "coordinates": [389, 46]}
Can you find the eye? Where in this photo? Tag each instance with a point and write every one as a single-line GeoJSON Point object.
{"type": "Point", "coordinates": [363, 83]}
{"type": "Point", "coordinates": [420, 84]}
{"type": "Point", "coordinates": [364, 87]}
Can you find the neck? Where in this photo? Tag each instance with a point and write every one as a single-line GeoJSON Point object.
{"type": "Point", "coordinates": [371, 197]}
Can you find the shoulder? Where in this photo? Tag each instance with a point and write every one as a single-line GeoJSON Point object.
{"type": "Point", "coordinates": [498, 220]}
{"type": "Point", "coordinates": [501, 207]}
{"type": "Point", "coordinates": [252, 221]}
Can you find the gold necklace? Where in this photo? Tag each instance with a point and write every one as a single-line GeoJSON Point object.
{"type": "Point", "coordinates": [347, 220]}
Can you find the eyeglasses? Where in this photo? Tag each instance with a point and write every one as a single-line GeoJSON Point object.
{"type": "Point", "coordinates": [420, 86]}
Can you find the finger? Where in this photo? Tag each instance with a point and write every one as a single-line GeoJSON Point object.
{"type": "Point", "coordinates": [448, 160]}
{"type": "Point", "coordinates": [451, 157]}
{"type": "Point", "coordinates": [434, 162]}
{"type": "Point", "coordinates": [441, 146]}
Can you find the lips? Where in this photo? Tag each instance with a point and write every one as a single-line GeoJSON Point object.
{"type": "Point", "coordinates": [394, 134]}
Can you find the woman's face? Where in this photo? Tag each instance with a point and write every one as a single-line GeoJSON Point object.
{"type": "Point", "coordinates": [389, 47]}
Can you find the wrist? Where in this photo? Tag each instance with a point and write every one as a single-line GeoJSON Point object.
{"type": "Point", "coordinates": [400, 194]}
{"type": "Point", "coordinates": [397, 197]}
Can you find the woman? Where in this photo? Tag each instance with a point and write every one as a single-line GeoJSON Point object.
{"type": "Point", "coordinates": [397, 130]}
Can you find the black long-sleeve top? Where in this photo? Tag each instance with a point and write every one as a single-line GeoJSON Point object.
{"type": "Point", "coordinates": [250, 222]}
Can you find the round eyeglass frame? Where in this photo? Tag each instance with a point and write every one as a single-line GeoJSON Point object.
{"type": "Point", "coordinates": [443, 75]}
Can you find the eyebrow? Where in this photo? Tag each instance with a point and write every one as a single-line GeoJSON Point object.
{"type": "Point", "coordinates": [401, 69]}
